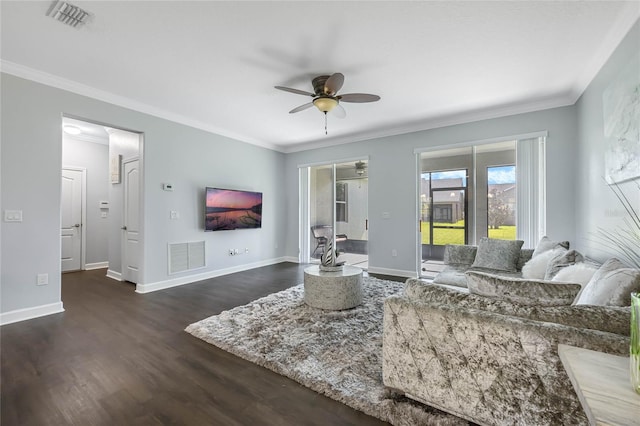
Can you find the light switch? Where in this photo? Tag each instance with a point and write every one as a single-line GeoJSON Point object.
{"type": "Point", "coordinates": [174, 215]}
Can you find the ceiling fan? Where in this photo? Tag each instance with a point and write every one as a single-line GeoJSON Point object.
{"type": "Point", "coordinates": [326, 98]}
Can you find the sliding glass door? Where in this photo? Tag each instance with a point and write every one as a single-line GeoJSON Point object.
{"type": "Point", "coordinates": [336, 198]}
{"type": "Point", "coordinates": [492, 189]}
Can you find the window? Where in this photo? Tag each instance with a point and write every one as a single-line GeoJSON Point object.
{"type": "Point", "coordinates": [501, 202]}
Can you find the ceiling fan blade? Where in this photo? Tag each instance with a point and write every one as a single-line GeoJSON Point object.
{"type": "Point", "coordinates": [333, 84]}
{"type": "Point", "coordinates": [301, 108]}
{"type": "Point", "coordinates": [358, 97]}
{"type": "Point", "coordinates": [338, 112]}
{"type": "Point", "coordinates": [296, 91]}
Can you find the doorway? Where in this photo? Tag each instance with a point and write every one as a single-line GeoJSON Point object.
{"type": "Point", "coordinates": [336, 198]}
{"type": "Point", "coordinates": [98, 150]}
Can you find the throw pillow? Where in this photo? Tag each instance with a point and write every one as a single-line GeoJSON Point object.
{"type": "Point", "coordinates": [522, 291]}
{"type": "Point", "coordinates": [499, 255]}
{"type": "Point", "coordinates": [459, 254]}
{"type": "Point", "coordinates": [546, 244]}
{"type": "Point", "coordinates": [580, 273]}
{"type": "Point", "coordinates": [536, 268]}
{"type": "Point", "coordinates": [562, 260]}
{"type": "Point", "coordinates": [611, 285]}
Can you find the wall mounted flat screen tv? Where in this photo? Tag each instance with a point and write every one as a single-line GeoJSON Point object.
{"type": "Point", "coordinates": [227, 209]}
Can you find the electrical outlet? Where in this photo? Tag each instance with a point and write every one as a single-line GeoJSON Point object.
{"type": "Point", "coordinates": [246, 250]}
{"type": "Point", "coordinates": [394, 253]}
{"type": "Point", "coordinates": [236, 251]}
{"type": "Point", "coordinates": [13, 215]}
{"type": "Point", "coordinates": [173, 215]}
{"type": "Point", "coordinates": [42, 279]}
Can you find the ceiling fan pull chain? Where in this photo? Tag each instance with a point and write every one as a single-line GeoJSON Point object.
{"type": "Point", "coordinates": [325, 123]}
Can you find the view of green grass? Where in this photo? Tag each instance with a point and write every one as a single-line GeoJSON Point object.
{"type": "Point", "coordinates": [456, 236]}
{"type": "Point", "coordinates": [503, 233]}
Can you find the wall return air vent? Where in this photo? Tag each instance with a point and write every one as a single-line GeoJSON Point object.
{"type": "Point", "coordinates": [68, 14]}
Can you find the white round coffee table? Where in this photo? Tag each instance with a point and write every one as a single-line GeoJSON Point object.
{"type": "Point", "coordinates": [333, 290]}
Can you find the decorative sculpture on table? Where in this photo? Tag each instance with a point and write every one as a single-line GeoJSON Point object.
{"type": "Point", "coordinates": [328, 259]}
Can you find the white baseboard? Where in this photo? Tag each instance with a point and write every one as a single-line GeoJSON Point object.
{"type": "Point", "coordinates": [395, 272]}
{"type": "Point", "coordinates": [97, 265]}
{"type": "Point", "coordinates": [114, 275]}
{"type": "Point", "coordinates": [161, 285]}
{"type": "Point", "coordinates": [30, 313]}
{"type": "Point", "coordinates": [290, 259]}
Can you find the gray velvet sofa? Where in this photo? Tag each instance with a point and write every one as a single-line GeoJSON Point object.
{"type": "Point", "coordinates": [491, 361]}
{"type": "Point", "coordinates": [458, 259]}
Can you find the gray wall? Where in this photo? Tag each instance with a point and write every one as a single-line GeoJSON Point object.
{"type": "Point", "coordinates": [393, 179]}
{"type": "Point", "coordinates": [596, 206]}
{"type": "Point", "coordinates": [94, 157]}
{"type": "Point", "coordinates": [31, 159]}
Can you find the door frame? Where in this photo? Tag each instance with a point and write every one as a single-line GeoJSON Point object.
{"type": "Point", "coordinates": [83, 212]}
{"type": "Point", "coordinates": [304, 215]}
{"type": "Point", "coordinates": [141, 159]}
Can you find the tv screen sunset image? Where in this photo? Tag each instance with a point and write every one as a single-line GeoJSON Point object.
{"type": "Point", "coordinates": [231, 209]}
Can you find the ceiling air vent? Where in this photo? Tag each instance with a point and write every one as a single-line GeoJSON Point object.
{"type": "Point", "coordinates": [68, 14]}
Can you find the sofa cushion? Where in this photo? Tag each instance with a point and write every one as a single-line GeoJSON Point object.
{"type": "Point", "coordinates": [545, 244]}
{"type": "Point", "coordinates": [536, 268]}
{"type": "Point", "coordinates": [580, 273]}
{"type": "Point", "coordinates": [562, 260]}
{"type": "Point", "coordinates": [611, 285]}
{"type": "Point", "coordinates": [525, 256]}
{"type": "Point", "coordinates": [452, 275]}
{"type": "Point", "coordinates": [522, 291]}
{"type": "Point", "coordinates": [498, 255]}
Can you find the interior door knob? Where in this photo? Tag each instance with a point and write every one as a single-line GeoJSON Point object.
{"type": "Point", "coordinates": [124, 228]}
{"type": "Point", "coordinates": [77, 225]}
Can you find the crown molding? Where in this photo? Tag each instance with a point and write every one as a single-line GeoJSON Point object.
{"type": "Point", "coordinates": [41, 77]}
{"type": "Point", "coordinates": [628, 17]}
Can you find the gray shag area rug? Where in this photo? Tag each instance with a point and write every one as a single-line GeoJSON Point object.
{"type": "Point", "coordinates": [335, 353]}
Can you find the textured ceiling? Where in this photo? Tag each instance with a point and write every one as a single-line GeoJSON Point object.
{"type": "Point", "coordinates": [213, 64]}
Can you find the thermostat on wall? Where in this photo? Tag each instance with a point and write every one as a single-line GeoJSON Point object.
{"type": "Point", "coordinates": [167, 187]}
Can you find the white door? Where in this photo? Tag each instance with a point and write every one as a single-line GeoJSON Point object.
{"type": "Point", "coordinates": [71, 223]}
{"type": "Point", "coordinates": [131, 228]}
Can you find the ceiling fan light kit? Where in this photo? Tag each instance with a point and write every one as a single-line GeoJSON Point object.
{"type": "Point", "coordinates": [325, 104]}
{"type": "Point", "coordinates": [326, 98]}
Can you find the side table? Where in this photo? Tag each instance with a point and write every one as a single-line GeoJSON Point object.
{"type": "Point", "coordinates": [333, 290]}
{"type": "Point", "coordinates": [603, 384]}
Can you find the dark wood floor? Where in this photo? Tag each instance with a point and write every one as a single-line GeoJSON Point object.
{"type": "Point", "coordinates": [115, 357]}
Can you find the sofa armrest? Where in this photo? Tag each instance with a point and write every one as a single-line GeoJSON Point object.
{"type": "Point", "coordinates": [602, 318]}
{"type": "Point", "coordinates": [484, 366]}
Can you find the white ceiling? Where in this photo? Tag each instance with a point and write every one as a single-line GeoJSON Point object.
{"type": "Point", "coordinates": [213, 64]}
